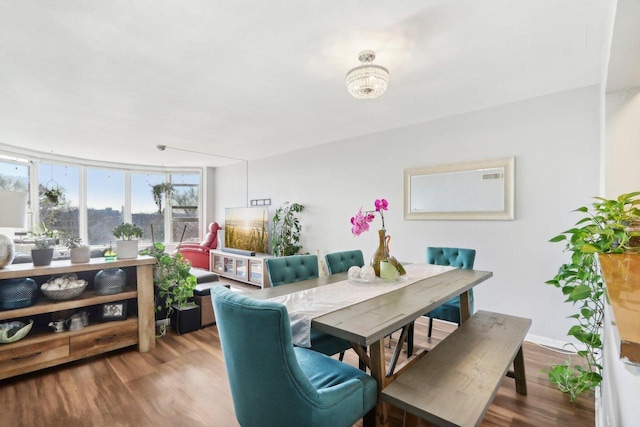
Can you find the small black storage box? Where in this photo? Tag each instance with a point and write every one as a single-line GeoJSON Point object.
{"type": "Point", "coordinates": [17, 293]}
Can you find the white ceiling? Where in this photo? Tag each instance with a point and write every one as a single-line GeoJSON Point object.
{"type": "Point", "coordinates": [111, 80]}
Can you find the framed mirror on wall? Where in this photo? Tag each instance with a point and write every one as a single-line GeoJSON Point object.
{"type": "Point", "coordinates": [481, 190]}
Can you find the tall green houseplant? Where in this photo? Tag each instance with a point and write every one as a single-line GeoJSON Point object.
{"type": "Point", "coordinates": [286, 230]}
{"type": "Point", "coordinates": [603, 229]}
{"type": "Point", "coordinates": [173, 278]}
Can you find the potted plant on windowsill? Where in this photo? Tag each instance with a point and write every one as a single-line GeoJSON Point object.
{"type": "Point", "coordinates": [45, 239]}
{"type": "Point", "coordinates": [127, 243]}
{"type": "Point", "coordinates": [175, 285]}
{"type": "Point", "coordinates": [77, 251]}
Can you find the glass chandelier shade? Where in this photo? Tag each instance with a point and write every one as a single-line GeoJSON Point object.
{"type": "Point", "coordinates": [367, 81]}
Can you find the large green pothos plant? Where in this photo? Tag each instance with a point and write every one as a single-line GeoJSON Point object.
{"type": "Point", "coordinates": [603, 229]}
{"type": "Point", "coordinates": [286, 230]}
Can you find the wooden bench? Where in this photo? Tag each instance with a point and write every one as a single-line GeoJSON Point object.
{"type": "Point", "coordinates": [454, 384]}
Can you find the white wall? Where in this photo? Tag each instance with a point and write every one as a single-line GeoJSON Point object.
{"type": "Point", "coordinates": [230, 185]}
{"type": "Point", "coordinates": [622, 136]}
{"type": "Point", "coordinates": [556, 143]}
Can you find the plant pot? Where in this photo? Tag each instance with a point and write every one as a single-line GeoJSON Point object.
{"type": "Point", "coordinates": [80, 254]}
{"type": "Point", "coordinates": [185, 319]}
{"type": "Point", "coordinates": [126, 249]}
{"type": "Point", "coordinates": [41, 257]}
{"type": "Point", "coordinates": [633, 230]}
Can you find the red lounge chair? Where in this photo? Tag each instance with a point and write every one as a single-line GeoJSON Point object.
{"type": "Point", "coordinates": [198, 253]}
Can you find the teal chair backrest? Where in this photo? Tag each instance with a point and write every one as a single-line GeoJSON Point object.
{"type": "Point", "coordinates": [339, 262]}
{"type": "Point", "coordinates": [293, 268]}
{"type": "Point", "coordinates": [274, 385]}
{"type": "Point", "coordinates": [455, 257]}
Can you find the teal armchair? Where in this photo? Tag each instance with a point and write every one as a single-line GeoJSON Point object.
{"type": "Point", "coordinates": [275, 384]}
{"type": "Point", "coordinates": [339, 262]}
{"type": "Point", "coordinates": [455, 257]}
{"type": "Point", "coordinates": [295, 268]}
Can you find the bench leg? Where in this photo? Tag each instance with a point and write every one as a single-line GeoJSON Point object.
{"type": "Point", "coordinates": [519, 375]}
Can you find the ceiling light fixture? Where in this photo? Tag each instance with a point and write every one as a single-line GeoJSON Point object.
{"type": "Point", "coordinates": [367, 81]}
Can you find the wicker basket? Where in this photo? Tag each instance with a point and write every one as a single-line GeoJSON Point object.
{"type": "Point", "coordinates": [64, 294]}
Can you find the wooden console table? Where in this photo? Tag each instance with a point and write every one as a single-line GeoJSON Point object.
{"type": "Point", "coordinates": [42, 348]}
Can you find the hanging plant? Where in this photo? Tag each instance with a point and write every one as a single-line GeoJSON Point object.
{"type": "Point", "coordinates": [54, 195]}
{"type": "Point", "coordinates": [159, 191]}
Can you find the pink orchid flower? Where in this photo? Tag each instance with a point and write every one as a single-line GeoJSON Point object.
{"type": "Point", "coordinates": [361, 222]}
{"type": "Point", "coordinates": [381, 204]}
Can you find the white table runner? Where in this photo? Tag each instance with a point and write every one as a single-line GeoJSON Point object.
{"type": "Point", "coordinates": [303, 306]}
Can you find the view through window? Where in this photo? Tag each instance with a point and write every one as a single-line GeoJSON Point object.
{"type": "Point", "coordinates": [184, 207]}
{"type": "Point", "coordinates": [145, 213]}
{"type": "Point", "coordinates": [14, 176]}
{"type": "Point", "coordinates": [151, 200]}
{"type": "Point", "coordinates": [59, 198]}
{"type": "Point", "coordinates": [105, 204]}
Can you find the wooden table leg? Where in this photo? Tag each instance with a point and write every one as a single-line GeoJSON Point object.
{"type": "Point", "coordinates": [410, 420]}
{"type": "Point", "coordinates": [520, 377]}
{"type": "Point", "coordinates": [465, 306]}
{"type": "Point", "coordinates": [378, 372]}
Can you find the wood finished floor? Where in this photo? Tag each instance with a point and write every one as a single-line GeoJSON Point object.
{"type": "Point", "coordinates": [183, 383]}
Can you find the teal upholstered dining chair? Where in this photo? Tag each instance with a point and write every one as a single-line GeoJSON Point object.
{"type": "Point", "coordinates": [339, 262]}
{"type": "Point", "coordinates": [295, 268]}
{"type": "Point", "coordinates": [275, 384]}
{"type": "Point", "coordinates": [455, 257]}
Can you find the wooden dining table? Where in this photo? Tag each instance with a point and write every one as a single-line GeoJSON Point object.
{"type": "Point", "coordinates": [367, 323]}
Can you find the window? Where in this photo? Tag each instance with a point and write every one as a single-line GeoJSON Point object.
{"type": "Point", "coordinates": [14, 176]}
{"type": "Point", "coordinates": [184, 207]}
{"type": "Point", "coordinates": [108, 198]}
{"type": "Point", "coordinates": [105, 204]}
{"type": "Point", "coordinates": [144, 212]}
{"type": "Point", "coordinates": [59, 198]}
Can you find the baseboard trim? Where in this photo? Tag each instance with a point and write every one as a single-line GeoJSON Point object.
{"type": "Point", "coordinates": [567, 346]}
